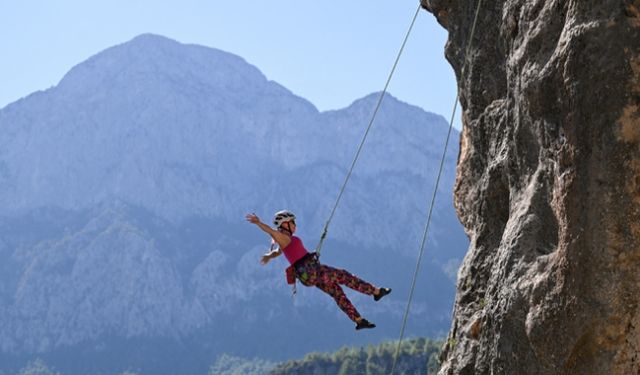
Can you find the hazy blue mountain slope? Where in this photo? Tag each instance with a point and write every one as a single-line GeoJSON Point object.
{"type": "Point", "coordinates": [124, 190]}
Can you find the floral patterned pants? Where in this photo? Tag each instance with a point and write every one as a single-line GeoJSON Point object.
{"type": "Point", "coordinates": [328, 279]}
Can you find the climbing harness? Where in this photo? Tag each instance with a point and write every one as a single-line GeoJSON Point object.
{"type": "Point", "coordinates": [301, 270]}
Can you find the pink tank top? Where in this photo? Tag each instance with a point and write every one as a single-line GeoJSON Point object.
{"type": "Point", "coordinates": [295, 250]}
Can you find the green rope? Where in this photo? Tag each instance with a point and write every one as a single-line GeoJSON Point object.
{"type": "Point", "coordinates": [373, 117]}
{"type": "Point", "coordinates": [433, 198]}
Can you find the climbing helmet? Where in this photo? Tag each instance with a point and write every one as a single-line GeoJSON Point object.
{"type": "Point", "coordinates": [282, 217]}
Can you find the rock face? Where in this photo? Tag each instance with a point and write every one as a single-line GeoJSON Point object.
{"type": "Point", "coordinates": [548, 186]}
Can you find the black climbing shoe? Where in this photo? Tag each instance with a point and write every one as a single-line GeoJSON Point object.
{"type": "Point", "coordinates": [383, 292]}
{"type": "Point", "coordinates": [364, 323]}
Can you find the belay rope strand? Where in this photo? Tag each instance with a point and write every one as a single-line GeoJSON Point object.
{"type": "Point", "coordinates": [357, 155]}
{"type": "Point", "coordinates": [366, 133]}
{"type": "Point", "coordinates": [435, 190]}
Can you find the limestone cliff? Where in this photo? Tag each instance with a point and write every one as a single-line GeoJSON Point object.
{"type": "Point", "coordinates": [548, 186]}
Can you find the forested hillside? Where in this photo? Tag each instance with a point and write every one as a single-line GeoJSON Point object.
{"type": "Point", "coordinates": [414, 357]}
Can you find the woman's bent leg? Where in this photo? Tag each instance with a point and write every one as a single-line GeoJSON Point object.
{"type": "Point", "coordinates": [335, 291]}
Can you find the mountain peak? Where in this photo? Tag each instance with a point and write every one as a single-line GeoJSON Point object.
{"type": "Point", "coordinates": [148, 59]}
{"type": "Point", "coordinates": [148, 38]}
{"type": "Point", "coordinates": [374, 97]}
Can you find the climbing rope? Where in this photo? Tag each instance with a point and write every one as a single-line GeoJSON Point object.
{"type": "Point", "coordinates": [435, 190]}
{"type": "Point", "coordinates": [366, 133]}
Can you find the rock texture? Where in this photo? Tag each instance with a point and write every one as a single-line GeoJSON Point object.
{"type": "Point", "coordinates": [548, 186]}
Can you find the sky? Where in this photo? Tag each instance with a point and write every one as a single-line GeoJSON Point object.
{"type": "Point", "coordinates": [329, 52]}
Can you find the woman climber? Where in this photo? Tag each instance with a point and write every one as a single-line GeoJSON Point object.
{"type": "Point", "coordinates": [306, 267]}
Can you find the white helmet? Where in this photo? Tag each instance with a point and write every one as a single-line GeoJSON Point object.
{"type": "Point", "coordinates": [282, 217]}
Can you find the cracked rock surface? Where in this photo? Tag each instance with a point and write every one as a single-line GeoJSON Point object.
{"type": "Point", "coordinates": [548, 186]}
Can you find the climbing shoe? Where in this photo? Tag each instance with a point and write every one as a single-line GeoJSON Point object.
{"type": "Point", "coordinates": [383, 292]}
{"type": "Point", "coordinates": [364, 323]}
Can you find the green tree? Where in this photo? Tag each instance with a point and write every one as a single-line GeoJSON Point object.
{"type": "Point", "coordinates": [413, 358]}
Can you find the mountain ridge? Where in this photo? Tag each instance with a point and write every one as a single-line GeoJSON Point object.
{"type": "Point", "coordinates": [124, 212]}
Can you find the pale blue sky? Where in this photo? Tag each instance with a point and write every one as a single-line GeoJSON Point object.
{"type": "Point", "coordinates": [329, 52]}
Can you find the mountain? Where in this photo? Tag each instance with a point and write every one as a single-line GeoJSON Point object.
{"type": "Point", "coordinates": [124, 190]}
{"type": "Point", "coordinates": [417, 356]}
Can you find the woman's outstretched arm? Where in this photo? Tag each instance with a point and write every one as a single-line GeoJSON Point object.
{"type": "Point", "coordinates": [280, 238]}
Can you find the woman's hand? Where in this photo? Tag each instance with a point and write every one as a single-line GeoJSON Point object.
{"type": "Point", "coordinates": [253, 218]}
{"type": "Point", "coordinates": [281, 239]}
{"type": "Point", "coordinates": [265, 259]}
